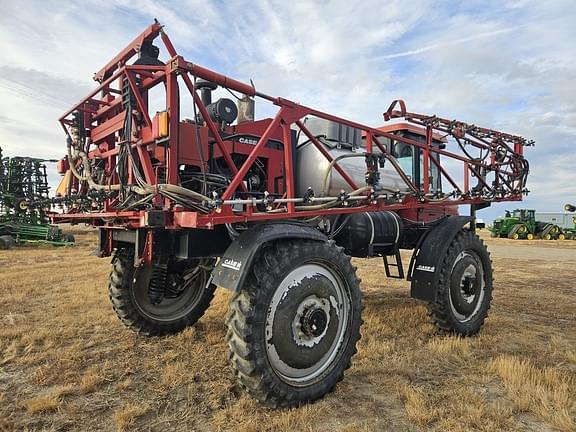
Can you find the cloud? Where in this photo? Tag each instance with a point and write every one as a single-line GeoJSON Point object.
{"type": "Point", "coordinates": [41, 86]}
{"type": "Point", "coordinates": [446, 44]}
{"type": "Point", "coordinates": [505, 65]}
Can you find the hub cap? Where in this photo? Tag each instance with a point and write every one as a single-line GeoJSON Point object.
{"type": "Point", "coordinates": [307, 324]}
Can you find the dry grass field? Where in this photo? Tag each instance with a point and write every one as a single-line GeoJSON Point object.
{"type": "Point", "coordinates": [67, 363]}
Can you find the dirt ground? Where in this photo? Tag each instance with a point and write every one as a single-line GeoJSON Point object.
{"type": "Point", "coordinates": [67, 363]}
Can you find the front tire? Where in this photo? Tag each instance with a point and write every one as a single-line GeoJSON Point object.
{"type": "Point", "coordinates": [293, 328]}
{"type": "Point", "coordinates": [186, 303]}
{"type": "Point", "coordinates": [465, 286]}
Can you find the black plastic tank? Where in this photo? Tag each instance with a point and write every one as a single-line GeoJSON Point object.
{"type": "Point", "coordinates": [370, 234]}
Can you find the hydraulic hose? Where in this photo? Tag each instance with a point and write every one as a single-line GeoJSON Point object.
{"type": "Point", "coordinates": [334, 162]}
{"type": "Point", "coordinates": [88, 176]}
{"type": "Point", "coordinates": [392, 160]}
{"type": "Point", "coordinates": [401, 172]}
{"type": "Point", "coordinates": [332, 203]}
{"type": "Point", "coordinates": [175, 191]}
{"type": "Point", "coordinates": [144, 189]}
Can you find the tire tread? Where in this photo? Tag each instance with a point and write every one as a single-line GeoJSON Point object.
{"type": "Point", "coordinates": [250, 365]}
{"type": "Point", "coordinates": [119, 295]}
{"type": "Point", "coordinates": [439, 310]}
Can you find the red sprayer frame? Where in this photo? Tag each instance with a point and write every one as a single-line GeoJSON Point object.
{"type": "Point", "coordinates": [103, 119]}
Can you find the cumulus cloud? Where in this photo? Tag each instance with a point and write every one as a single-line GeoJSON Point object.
{"type": "Point", "coordinates": [506, 65]}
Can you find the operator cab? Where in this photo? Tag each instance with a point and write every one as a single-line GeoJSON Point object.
{"type": "Point", "coordinates": [410, 157]}
{"type": "Point", "coordinates": [524, 214]}
{"type": "Point", "coordinates": [411, 160]}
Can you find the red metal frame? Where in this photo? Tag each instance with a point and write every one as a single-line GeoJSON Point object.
{"type": "Point", "coordinates": [105, 118]}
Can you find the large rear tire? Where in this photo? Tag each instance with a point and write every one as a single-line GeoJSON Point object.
{"type": "Point", "coordinates": [128, 290]}
{"type": "Point", "coordinates": [465, 286]}
{"type": "Point", "coordinates": [293, 328]}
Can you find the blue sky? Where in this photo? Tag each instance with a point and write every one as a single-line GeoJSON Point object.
{"type": "Point", "coordinates": [506, 65]}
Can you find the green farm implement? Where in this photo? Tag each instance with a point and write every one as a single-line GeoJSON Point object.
{"type": "Point", "coordinates": [570, 232]}
{"type": "Point", "coordinates": [23, 214]}
{"type": "Point", "coordinates": [522, 224]}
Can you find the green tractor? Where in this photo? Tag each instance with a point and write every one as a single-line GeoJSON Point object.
{"type": "Point", "coordinates": [570, 232]}
{"type": "Point", "coordinates": [522, 224]}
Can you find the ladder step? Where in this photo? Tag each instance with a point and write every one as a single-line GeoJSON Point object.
{"type": "Point", "coordinates": [397, 263]}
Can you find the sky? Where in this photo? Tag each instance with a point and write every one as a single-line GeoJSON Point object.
{"type": "Point", "coordinates": [505, 65]}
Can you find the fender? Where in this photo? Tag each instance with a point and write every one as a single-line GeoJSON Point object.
{"type": "Point", "coordinates": [236, 262]}
{"type": "Point", "coordinates": [425, 270]}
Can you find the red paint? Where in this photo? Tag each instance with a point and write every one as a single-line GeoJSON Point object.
{"type": "Point", "coordinates": [190, 144]}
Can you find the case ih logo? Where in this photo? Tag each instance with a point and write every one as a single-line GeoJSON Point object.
{"type": "Point", "coordinates": [250, 141]}
{"type": "Point", "coordinates": [425, 268]}
{"type": "Point", "coordinates": [231, 264]}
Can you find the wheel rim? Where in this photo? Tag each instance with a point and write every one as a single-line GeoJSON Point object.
{"type": "Point", "coordinates": [193, 282]}
{"type": "Point", "coordinates": [530, 237]}
{"type": "Point", "coordinates": [515, 236]}
{"type": "Point", "coordinates": [467, 286]}
{"type": "Point", "coordinates": [306, 324]}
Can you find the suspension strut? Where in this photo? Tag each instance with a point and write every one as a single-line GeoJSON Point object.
{"type": "Point", "coordinates": [157, 285]}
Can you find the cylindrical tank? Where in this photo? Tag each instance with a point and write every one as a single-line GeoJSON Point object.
{"type": "Point", "coordinates": [370, 233]}
{"type": "Point", "coordinates": [312, 166]}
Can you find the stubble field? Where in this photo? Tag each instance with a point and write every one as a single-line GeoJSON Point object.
{"type": "Point", "coordinates": [67, 363]}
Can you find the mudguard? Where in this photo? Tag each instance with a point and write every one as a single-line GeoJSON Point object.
{"type": "Point", "coordinates": [428, 258]}
{"type": "Point", "coordinates": [236, 262]}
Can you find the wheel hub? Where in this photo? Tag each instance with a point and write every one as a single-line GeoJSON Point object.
{"type": "Point", "coordinates": [468, 284]}
{"type": "Point", "coordinates": [174, 285]}
{"type": "Point", "coordinates": [314, 322]}
{"type": "Point", "coordinates": [311, 321]}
